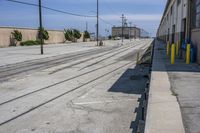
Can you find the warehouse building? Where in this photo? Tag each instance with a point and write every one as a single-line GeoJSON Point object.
{"type": "Point", "coordinates": [128, 32]}
{"type": "Point", "coordinates": [181, 22]}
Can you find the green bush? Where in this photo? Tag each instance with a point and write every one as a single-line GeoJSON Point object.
{"type": "Point", "coordinates": [17, 35]}
{"type": "Point", "coordinates": [68, 34]}
{"type": "Point", "coordinates": [86, 35]}
{"type": "Point", "coordinates": [77, 34]}
{"type": "Point", "coordinates": [44, 34]}
{"type": "Point", "coordinates": [72, 34]}
{"type": "Point", "coordinates": [30, 43]}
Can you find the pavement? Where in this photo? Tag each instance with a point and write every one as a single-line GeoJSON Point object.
{"type": "Point", "coordinates": [174, 95]}
{"type": "Point", "coordinates": [12, 55]}
{"type": "Point", "coordinates": [89, 90]}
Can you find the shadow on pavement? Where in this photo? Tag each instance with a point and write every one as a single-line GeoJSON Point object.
{"type": "Point", "coordinates": [160, 57]}
{"type": "Point", "coordinates": [133, 81]}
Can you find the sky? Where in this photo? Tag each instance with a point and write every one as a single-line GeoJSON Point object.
{"type": "Point", "coordinates": [145, 14]}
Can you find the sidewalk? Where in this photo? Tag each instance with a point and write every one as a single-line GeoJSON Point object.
{"type": "Point", "coordinates": [163, 113]}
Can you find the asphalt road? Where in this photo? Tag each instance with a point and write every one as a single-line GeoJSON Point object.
{"type": "Point", "coordinates": [88, 89]}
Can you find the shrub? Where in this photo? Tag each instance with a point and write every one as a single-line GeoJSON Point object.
{"type": "Point", "coordinates": [17, 35]}
{"type": "Point", "coordinates": [30, 43]}
{"type": "Point", "coordinates": [72, 34]}
{"type": "Point", "coordinates": [44, 34]}
{"type": "Point", "coordinates": [68, 34]}
{"type": "Point", "coordinates": [86, 35]}
{"type": "Point", "coordinates": [77, 34]}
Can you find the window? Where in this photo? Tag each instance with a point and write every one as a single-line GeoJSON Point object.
{"type": "Point", "coordinates": [197, 23]}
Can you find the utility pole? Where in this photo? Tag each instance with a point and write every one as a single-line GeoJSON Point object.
{"type": "Point", "coordinates": [40, 29]}
{"type": "Point", "coordinates": [122, 28]}
{"type": "Point", "coordinates": [135, 31]}
{"type": "Point", "coordinates": [86, 26]}
{"type": "Point", "coordinates": [130, 30]}
{"type": "Point", "coordinates": [97, 22]}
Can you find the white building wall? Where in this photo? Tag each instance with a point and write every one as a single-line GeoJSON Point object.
{"type": "Point", "coordinates": [178, 14]}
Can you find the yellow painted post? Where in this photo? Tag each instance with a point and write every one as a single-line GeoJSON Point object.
{"type": "Point", "coordinates": [177, 48]}
{"type": "Point", "coordinates": [138, 57]}
{"type": "Point", "coordinates": [168, 49]}
{"type": "Point", "coordinates": [173, 54]}
{"type": "Point", "coordinates": [188, 54]}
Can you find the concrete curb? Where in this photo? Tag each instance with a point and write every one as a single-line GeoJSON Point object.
{"type": "Point", "coordinates": [163, 113]}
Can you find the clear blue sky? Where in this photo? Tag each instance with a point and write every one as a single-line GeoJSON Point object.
{"type": "Point", "coordinates": [143, 13]}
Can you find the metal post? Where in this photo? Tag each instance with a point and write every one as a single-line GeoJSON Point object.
{"type": "Point", "coordinates": [122, 29]}
{"type": "Point", "coordinates": [188, 54]}
{"type": "Point", "coordinates": [40, 29]}
{"type": "Point", "coordinates": [97, 22]}
{"type": "Point", "coordinates": [173, 54]}
{"type": "Point", "coordinates": [86, 26]}
{"type": "Point", "coordinates": [135, 31]}
{"type": "Point", "coordinates": [130, 30]}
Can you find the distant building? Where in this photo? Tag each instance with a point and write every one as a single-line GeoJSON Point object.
{"type": "Point", "coordinates": [180, 22]}
{"type": "Point", "coordinates": [128, 32]}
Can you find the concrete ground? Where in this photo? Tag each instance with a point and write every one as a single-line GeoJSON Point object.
{"type": "Point", "coordinates": [163, 112]}
{"type": "Point", "coordinates": [13, 55]}
{"type": "Point", "coordinates": [185, 86]}
{"type": "Point", "coordinates": [75, 88]}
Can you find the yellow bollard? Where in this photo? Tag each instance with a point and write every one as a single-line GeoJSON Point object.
{"type": "Point", "coordinates": [168, 49]}
{"type": "Point", "coordinates": [177, 48]}
{"type": "Point", "coordinates": [138, 57]}
{"type": "Point", "coordinates": [173, 54]}
{"type": "Point", "coordinates": [188, 54]}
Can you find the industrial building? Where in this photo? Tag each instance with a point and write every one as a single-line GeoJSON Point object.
{"type": "Point", "coordinates": [128, 32]}
{"type": "Point", "coordinates": [181, 22]}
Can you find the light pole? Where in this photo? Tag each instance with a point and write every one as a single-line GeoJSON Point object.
{"type": "Point", "coordinates": [130, 30]}
{"type": "Point", "coordinates": [40, 29]}
{"type": "Point", "coordinates": [97, 22]}
{"type": "Point", "coordinates": [135, 31]}
{"type": "Point", "coordinates": [86, 26]}
{"type": "Point", "coordinates": [122, 28]}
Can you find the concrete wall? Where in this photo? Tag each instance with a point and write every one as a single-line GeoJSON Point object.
{"type": "Point", "coordinates": [55, 36]}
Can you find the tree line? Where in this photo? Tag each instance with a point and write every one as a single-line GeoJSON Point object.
{"type": "Point", "coordinates": [70, 35]}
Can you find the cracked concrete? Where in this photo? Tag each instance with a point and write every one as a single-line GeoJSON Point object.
{"type": "Point", "coordinates": [106, 105]}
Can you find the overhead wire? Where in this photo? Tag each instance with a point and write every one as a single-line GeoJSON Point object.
{"type": "Point", "coordinates": [49, 8]}
{"type": "Point", "coordinates": [60, 11]}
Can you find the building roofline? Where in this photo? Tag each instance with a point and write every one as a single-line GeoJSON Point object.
{"type": "Point", "coordinates": [164, 12]}
{"type": "Point", "coordinates": [127, 27]}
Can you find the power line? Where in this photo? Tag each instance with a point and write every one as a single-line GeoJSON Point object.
{"type": "Point", "coordinates": [60, 11]}
{"type": "Point", "coordinates": [56, 10]}
{"type": "Point", "coordinates": [106, 22]}
{"type": "Point", "coordinates": [49, 8]}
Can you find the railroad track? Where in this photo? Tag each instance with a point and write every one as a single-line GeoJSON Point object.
{"type": "Point", "coordinates": [62, 94]}
{"type": "Point", "coordinates": [31, 67]}
{"type": "Point", "coordinates": [2, 103]}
